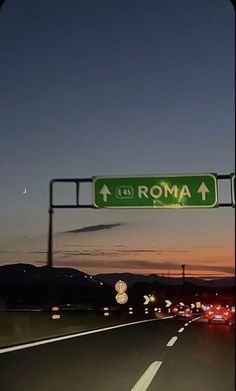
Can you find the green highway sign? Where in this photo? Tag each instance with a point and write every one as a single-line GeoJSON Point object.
{"type": "Point", "coordinates": [232, 182]}
{"type": "Point", "coordinates": [164, 191]}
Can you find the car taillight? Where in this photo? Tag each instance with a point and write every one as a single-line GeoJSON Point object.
{"type": "Point", "coordinates": [175, 309]}
{"type": "Point", "coordinates": [210, 313]}
{"type": "Point", "coordinates": [187, 310]}
{"type": "Point", "coordinates": [226, 313]}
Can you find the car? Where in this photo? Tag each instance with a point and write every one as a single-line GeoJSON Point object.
{"type": "Point", "coordinates": [206, 307]}
{"type": "Point", "coordinates": [219, 314]}
{"type": "Point", "coordinates": [182, 311]}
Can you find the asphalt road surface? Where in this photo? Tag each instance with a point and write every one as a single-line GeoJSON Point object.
{"type": "Point", "coordinates": [160, 355]}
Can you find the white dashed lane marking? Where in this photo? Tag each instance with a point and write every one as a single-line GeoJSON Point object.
{"type": "Point", "coordinates": [172, 341]}
{"type": "Point", "coordinates": [145, 380]}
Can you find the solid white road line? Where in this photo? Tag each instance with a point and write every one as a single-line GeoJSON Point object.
{"type": "Point", "coordinates": [172, 341]}
{"type": "Point", "coordinates": [56, 339]}
{"type": "Point", "coordinates": [181, 330]}
{"type": "Point", "coordinates": [145, 380]}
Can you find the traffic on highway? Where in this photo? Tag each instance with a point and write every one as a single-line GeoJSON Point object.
{"type": "Point", "coordinates": [164, 353]}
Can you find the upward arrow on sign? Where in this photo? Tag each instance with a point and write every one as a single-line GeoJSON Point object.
{"type": "Point", "coordinates": [203, 190]}
{"type": "Point", "coordinates": [105, 192]}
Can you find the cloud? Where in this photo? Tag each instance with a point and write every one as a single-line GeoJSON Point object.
{"type": "Point", "coordinates": [92, 228]}
{"type": "Point", "coordinates": [224, 269]}
{"type": "Point", "coordinates": [38, 252]}
{"type": "Point", "coordinates": [114, 251]}
{"type": "Point", "coordinates": [10, 251]}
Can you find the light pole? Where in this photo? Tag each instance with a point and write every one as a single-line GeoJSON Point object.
{"type": "Point", "coordinates": [183, 273]}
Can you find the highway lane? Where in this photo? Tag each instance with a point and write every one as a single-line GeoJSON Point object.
{"type": "Point", "coordinates": [201, 356]}
{"type": "Point", "coordinates": [202, 359]}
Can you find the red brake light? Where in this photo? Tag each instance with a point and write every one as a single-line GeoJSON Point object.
{"type": "Point", "coordinates": [210, 312]}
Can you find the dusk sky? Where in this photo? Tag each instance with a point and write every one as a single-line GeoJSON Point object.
{"type": "Point", "coordinates": [115, 88]}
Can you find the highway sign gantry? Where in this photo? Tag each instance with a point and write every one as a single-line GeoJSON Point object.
{"type": "Point", "coordinates": [164, 191]}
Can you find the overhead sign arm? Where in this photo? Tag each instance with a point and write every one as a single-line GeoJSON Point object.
{"type": "Point", "coordinates": [53, 206]}
{"type": "Point", "coordinates": [168, 191]}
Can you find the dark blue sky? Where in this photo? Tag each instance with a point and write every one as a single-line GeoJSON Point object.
{"type": "Point", "coordinates": [112, 88]}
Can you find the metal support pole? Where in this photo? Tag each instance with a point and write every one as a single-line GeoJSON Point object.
{"type": "Point", "coordinates": [50, 236]}
{"type": "Point", "coordinates": [50, 228]}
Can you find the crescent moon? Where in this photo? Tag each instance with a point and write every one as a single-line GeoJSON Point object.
{"type": "Point", "coordinates": [24, 192]}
